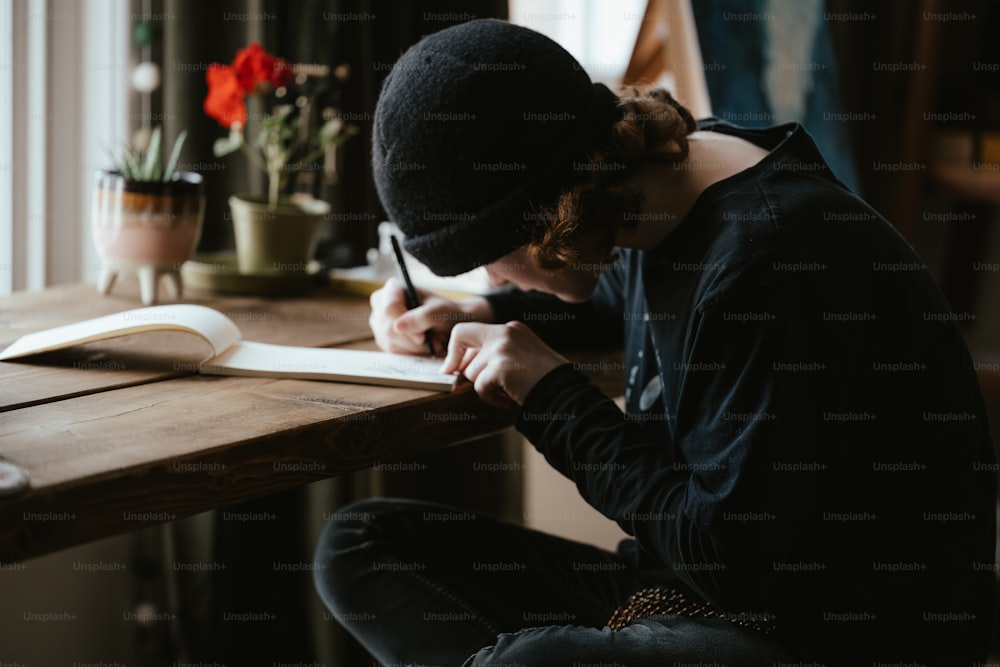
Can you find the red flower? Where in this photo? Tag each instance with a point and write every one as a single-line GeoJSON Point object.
{"type": "Point", "coordinates": [225, 100]}
{"type": "Point", "coordinates": [254, 67]}
{"type": "Point", "coordinates": [282, 73]}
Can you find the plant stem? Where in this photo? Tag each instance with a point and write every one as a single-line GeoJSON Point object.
{"type": "Point", "coordinates": [276, 156]}
{"type": "Point", "coordinates": [273, 181]}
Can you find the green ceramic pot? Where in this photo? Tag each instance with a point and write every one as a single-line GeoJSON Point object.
{"type": "Point", "coordinates": [279, 240]}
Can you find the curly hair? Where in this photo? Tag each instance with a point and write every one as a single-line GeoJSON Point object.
{"type": "Point", "coordinates": [583, 222]}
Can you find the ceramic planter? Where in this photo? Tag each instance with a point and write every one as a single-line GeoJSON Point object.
{"type": "Point", "coordinates": [279, 240]}
{"type": "Point", "coordinates": [146, 228]}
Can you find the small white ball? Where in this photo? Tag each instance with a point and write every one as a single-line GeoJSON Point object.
{"type": "Point", "coordinates": [146, 77]}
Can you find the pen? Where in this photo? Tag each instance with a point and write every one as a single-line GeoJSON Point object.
{"type": "Point", "coordinates": [412, 300]}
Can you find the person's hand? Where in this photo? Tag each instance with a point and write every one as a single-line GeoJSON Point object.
{"type": "Point", "coordinates": [401, 331]}
{"type": "Point", "coordinates": [503, 361]}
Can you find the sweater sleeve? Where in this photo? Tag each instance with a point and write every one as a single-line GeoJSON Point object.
{"type": "Point", "coordinates": [703, 508]}
{"type": "Point", "coordinates": [560, 324]}
{"type": "Point", "coordinates": [584, 435]}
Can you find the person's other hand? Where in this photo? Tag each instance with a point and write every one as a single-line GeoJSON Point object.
{"type": "Point", "coordinates": [503, 361]}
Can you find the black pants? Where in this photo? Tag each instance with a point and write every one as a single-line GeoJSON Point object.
{"type": "Point", "coordinates": [425, 584]}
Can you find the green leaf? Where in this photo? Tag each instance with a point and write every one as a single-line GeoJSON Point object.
{"type": "Point", "coordinates": [329, 130]}
{"type": "Point", "coordinates": [227, 145]}
{"type": "Point", "coordinates": [282, 112]}
{"type": "Point", "coordinates": [136, 164]}
{"type": "Point", "coordinates": [336, 132]}
{"type": "Point", "coordinates": [151, 168]}
{"type": "Point", "coordinates": [130, 164]}
{"type": "Point", "coordinates": [175, 155]}
{"type": "Point", "coordinates": [261, 142]}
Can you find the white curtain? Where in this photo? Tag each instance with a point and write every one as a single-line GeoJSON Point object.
{"type": "Point", "coordinates": [64, 73]}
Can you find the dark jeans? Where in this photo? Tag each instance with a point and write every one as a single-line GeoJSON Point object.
{"type": "Point", "coordinates": [425, 584]}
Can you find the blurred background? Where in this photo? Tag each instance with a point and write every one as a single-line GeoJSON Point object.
{"type": "Point", "coordinates": [903, 97]}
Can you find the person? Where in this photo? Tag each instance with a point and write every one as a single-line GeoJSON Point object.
{"type": "Point", "coordinates": [802, 464]}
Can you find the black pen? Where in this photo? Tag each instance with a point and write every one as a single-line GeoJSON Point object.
{"type": "Point", "coordinates": [412, 300]}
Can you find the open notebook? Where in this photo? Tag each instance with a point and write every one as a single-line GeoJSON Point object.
{"type": "Point", "coordinates": [232, 356]}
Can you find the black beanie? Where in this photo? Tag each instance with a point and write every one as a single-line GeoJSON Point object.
{"type": "Point", "coordinates": [475, 126]}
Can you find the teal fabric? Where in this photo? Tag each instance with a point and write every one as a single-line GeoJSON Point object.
{"type": "Point", "coordinates": [735, 38]}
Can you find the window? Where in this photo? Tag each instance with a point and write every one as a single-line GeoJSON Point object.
{"type": "Point", "coordinates": [598, 34]}
{"type": "Point", "coordinates": [64, 71]}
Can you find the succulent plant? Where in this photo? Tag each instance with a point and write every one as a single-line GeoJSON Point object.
{"type": "Point", "coordinates": [146, 164]}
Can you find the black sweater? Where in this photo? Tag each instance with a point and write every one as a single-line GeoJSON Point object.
{"type": "Point", "coordinates": [804, 433]}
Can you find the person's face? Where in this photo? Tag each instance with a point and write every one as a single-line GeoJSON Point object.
{"type": "Point", "coordinates": [573, 284]}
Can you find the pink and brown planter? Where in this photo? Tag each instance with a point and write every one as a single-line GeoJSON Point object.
{"type": "Point", "coordinates": [146, 228]}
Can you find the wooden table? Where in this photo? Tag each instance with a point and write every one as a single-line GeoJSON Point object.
{"type": "Point", "coordinates": [123, 434]}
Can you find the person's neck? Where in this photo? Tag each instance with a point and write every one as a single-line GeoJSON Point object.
{"type": "Point", "coordinates": [669, 191]}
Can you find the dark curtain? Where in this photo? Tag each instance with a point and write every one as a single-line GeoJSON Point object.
{"type": "Point", "coordinates": [886, 38]}
{"type": "Point", "coordinates": [361, 39]}
{"type": "Point", "coordinates": [906, 119]}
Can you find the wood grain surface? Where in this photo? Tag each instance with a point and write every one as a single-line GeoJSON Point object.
{"type": "Point", "coordinates": [132, 437]}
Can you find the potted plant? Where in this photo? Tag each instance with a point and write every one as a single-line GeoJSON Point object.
{"type": "Point", "coordinates": [146, 217]}
{"type": "Point", "coordinates": [273, 234]}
